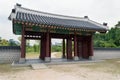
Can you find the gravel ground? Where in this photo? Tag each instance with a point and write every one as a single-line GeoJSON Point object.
{"type": "Point", "coordinates": [62, 72]}
{"type": "Point", "coordinates": [107, 70]}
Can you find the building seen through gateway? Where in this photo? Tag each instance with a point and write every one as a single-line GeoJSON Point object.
{"type": "Point", "coordinates": [37, 25]}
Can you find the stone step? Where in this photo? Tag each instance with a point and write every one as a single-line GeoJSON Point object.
{"type": "Point", "coordinates": [39, 66]}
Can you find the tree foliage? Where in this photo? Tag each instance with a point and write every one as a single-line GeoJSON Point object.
{"type": "Point", "coordinates": [10, 42]}
{"type": "Point", "coordinates": [110, 39]}
{"type": "Point", "coordinates": [56, 48]}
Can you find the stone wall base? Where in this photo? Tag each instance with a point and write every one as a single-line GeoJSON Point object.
{"type": "Point", "coordinates": [76, 58]}
{"type": "Point", "coordinates": [22, 60]}
{"type": "Point", "coordinates": [47, 59]}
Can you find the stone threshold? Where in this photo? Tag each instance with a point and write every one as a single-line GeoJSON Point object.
{"type": "Point", "coordinates": [55, 61]}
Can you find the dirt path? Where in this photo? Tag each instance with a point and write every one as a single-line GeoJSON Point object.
{"type": "Point", "coordinates": [53, 54]}
{"type": "Point", "coordinates": [60, 72]}
{"type": "Point", "coordinates": [105, 70]}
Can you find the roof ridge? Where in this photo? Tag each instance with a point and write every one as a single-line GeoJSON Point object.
{"type": "Point", "coordinates": [99, 24]}
{"type": "Point", "coordinates": [50, 14]}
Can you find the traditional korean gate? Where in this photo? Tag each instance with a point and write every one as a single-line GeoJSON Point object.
{"type": "Point", "coordinates": [49, 26]}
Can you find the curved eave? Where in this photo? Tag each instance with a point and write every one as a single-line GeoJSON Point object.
{"type": "Point", "coordinates": [61, 26]}
{"type": "Point", "coordinates": [60, 21]}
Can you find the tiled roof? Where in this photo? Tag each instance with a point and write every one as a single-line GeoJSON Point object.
{"type": "Point", "coordinates": [27, 15]}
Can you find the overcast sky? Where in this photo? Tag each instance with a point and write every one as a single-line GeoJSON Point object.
{"type": "Point", "coordinates": [97, 10]}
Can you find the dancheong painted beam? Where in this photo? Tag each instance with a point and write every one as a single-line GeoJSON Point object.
{"type": "Point", "coordinates": [31, 24]}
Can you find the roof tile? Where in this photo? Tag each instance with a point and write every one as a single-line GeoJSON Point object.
{"type": "Point", "coordinates": [31, 16]}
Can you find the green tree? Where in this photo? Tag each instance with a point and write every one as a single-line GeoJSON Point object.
{"type": "Point", "coordinates": [13, 43]}
{"type": "Point", "coordinates": [4, 42]}
{"type": "Point", "coordinates": [56, 48]}
{"type": "Point", "coordinates": [110, 39]}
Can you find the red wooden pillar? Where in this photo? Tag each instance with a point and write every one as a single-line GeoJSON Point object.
{"type": "Point", "coordinates": [23, 46]}
{"type": "Point", "coordinates": [40, 48]}
{"type": "Point", "coordinates": [79, 47]}
{"type": "Point", "coordinates": [85, 48]}
{"type": "Point", "coordinates": [47, 55]}
{"type": "Point", "coordinates": [63, 49]}
{"type": "Point", "coordinates": [69, 48]}
{"type": "Point", "coordinates": [23, 43]}
{"type": "Point", "coordinates": [49, 46]}
{"type": "Point", "coordinates": [44, 46]}
{"type": "Point", "coordinates": [91, 47]}
{"type": "Point", "coordinates": [81, 50]}
{"type": "Point", "coordinates": [42, 51]}
{"type": "Point", "coordinates": [75, 48]}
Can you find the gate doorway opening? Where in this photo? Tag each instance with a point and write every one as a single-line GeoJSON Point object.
{"type": "Point", "coordinates": [32, 49]}
{"type": "Point", "coordinates": [56, 48]}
